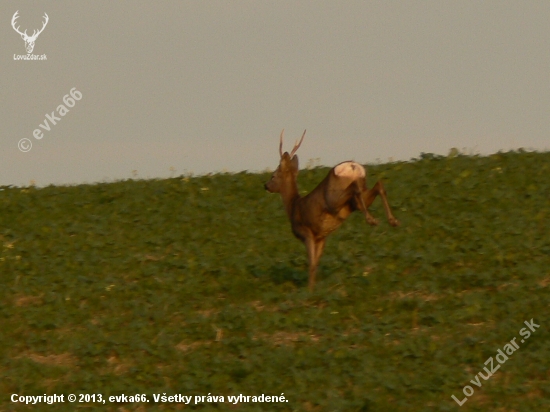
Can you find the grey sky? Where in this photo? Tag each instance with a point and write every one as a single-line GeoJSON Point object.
{"type": "Point", "coordinates": [206, 86]}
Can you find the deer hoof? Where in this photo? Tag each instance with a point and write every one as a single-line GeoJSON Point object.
{"type": "Point", "coordinates": [372, 221]}
{"type": "Point", "coordinates": [394, 222]}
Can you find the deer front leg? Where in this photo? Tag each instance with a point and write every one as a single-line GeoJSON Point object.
{"type": "Point", "coordinates": [314, 252]}
{"type": "Point", "coordinates": [319, 249]}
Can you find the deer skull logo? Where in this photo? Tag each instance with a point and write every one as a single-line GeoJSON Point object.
{"type": "Point", "coordinates": [29, 40]}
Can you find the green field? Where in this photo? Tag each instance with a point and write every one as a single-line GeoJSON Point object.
{"type": "Point", "coordinates": [196, 286]}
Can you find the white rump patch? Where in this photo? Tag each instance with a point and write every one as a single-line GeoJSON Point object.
{"type": "Point", "coordinates": [351, 170]}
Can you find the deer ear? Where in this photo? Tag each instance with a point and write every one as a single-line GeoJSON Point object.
{"type": "Point", "coordinates": [294, 162]}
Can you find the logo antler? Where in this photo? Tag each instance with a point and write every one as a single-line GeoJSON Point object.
{"type": "Point", "coordinates": [29, 40]}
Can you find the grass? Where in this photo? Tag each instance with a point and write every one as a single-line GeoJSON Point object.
{"type": "Point", "coordinates": [196, 286]}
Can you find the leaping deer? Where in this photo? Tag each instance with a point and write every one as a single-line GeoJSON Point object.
{"type": "Point", "coordinates": [314, 216]}
{"type": "Point", "coordinates": [29, 40]}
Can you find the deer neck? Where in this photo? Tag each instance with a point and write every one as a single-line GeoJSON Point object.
{"type": "Point", "coordinates": [290, 196]}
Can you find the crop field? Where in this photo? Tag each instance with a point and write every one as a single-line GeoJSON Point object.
{"type": "Point", "coordinates": [196, 286]}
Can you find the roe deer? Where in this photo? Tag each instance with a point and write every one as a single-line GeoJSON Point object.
{"type": "Point", "coordinates": [314, 216]}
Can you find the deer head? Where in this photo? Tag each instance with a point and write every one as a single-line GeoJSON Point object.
{"type": "Point", "coordinates": [29, 40]}
{"type": "Point", "coordinates": [287, 171]}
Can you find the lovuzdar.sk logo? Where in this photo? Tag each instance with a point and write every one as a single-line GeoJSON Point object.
{"type": "Point", "coordinates": [29, 40]}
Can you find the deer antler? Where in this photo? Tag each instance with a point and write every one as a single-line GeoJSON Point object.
{"type": "Point", "coordinates": [297, 145]}
{"type": "Point", "coordinates": [15, 17]}
{"type": "Point", "coordinates": [281, 143]}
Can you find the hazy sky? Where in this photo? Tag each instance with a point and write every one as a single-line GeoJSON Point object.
{"type": "Point", "coordinates": [206, 86]}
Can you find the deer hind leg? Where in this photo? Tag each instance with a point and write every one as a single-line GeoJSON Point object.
{"type": "Point", "coordinates": [365, 197]}
{"type": "Point", "coordinates": [341, 186]}
{"type": "Point", "coordinates": [361, 201]}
